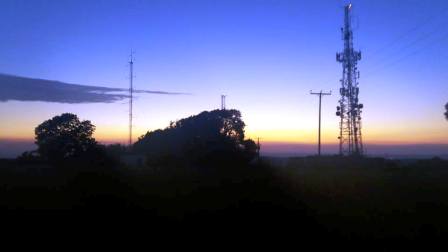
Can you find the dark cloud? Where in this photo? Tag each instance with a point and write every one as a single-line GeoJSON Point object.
{"type": "Point", "coordinates": [29, 89]}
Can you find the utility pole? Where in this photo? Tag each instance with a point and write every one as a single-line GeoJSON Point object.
{"type": "Point", "coordinates": [320, 94]}
{"type": "Point", "coordinates": [131, 94]}
{"type": "Point", "coordinates": [258, 149]}
{"type": "Point", "coordinates": [223, 102]}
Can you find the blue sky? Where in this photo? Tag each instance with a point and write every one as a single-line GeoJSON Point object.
{"type": "Point", "coordinates": [265, 55]}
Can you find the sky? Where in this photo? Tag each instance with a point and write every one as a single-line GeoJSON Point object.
{"type": "Point", "coordinates": [265, 55]}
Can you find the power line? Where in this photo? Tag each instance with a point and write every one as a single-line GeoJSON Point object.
{"type": "Point", "coordinates": [380, 51]}
{"type": "Point", "coordinates": [422, 37]}
{"type": "Point", "coordinates": [400, 59]}
{"type": "Point", "coordinates": [409, 31]}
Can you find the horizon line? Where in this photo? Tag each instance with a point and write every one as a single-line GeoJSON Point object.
{"type": "Point", "coordinates": [269, 142]}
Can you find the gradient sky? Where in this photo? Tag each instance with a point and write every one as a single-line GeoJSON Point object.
{"type": "Point", "coordinates": [266, 55]}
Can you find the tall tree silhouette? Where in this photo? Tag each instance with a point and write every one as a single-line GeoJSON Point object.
{"type": "Point", "coordinates": [64, 137]}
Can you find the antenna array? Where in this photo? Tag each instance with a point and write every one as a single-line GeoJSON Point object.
{"type": "Point", "coordinates": [349, 109]}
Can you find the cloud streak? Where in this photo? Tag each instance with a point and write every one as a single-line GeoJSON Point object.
{"type": "Point", "coordinates": [15, 88]}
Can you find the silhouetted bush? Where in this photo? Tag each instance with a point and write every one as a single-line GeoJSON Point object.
{"type": "Point", "coordinates": [31, 157]}
{"type": "Point", "coordinates": [213, 137]}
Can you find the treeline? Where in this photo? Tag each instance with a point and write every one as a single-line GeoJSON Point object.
{"type": "Point", "coordinates": [207, 138]}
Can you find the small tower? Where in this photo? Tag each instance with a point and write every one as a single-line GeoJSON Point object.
{"type": "Point", "coordinates": [223, 102]}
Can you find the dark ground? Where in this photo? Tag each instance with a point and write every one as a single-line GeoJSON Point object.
{"type": "Point", "coordinates": [331, 198]}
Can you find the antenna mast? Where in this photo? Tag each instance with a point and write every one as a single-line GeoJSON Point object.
{"type": "Point", "coordinates": [131, 93]}
{"type": "Point", "coordinates": [349, 110]}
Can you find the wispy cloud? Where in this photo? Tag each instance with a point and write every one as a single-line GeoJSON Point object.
{"type": "Point", "coordinates": [30, 89]}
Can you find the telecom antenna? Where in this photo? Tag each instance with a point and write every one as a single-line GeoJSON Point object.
{"type": "Point", "coordinates": [131, 94]}
{"type": "Point", "coordinates": [320, 94]}
{"type": "Point", "coordinates": [349, 110]}
{"type": "Point", "coordinates": [223, 102]}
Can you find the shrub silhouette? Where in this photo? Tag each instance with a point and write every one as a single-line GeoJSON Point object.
{"type": "Point", "coordinates": [210, 136]}
{"type": "Point", "coordinates": [446, 113]}
{"type": "Point", "coordinates": [65, 137]}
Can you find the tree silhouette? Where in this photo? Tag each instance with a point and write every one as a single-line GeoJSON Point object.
{"type": "Point", "coordinates": [446, 113]}
{"type": "Point", "coordinates": [64, 137]}
{"type": "Point", "coordinates": [200, 137]}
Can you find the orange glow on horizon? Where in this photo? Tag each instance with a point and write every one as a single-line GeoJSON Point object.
{"type": "Point", "coordinates": [110, 134]}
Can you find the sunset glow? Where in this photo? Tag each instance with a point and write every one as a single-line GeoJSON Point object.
{"type": "Point", "coordinates": [264, 55]}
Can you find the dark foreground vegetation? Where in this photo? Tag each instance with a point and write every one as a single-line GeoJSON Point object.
{"type": "Point", "coordinates": [202, 171]}
{"type": "Point", "coordinates": [360, 199]}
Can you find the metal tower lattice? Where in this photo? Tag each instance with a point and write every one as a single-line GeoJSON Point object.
{"type": "Point", "coordinates": [349, 109]}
